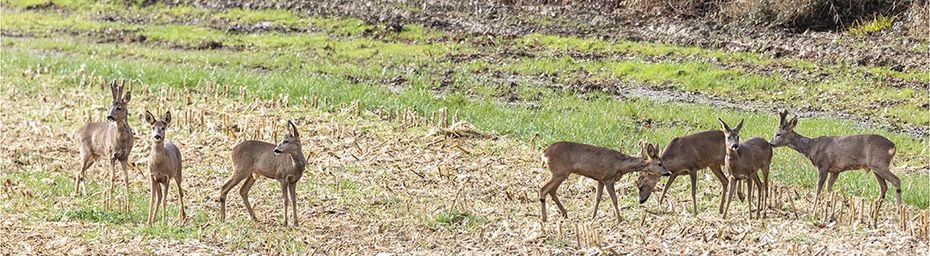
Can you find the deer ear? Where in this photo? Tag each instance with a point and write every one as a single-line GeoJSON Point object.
{"type": "Point", "coordinates": [793, 122]}
{"type": "Point", "coordinates": [167, 117]}
{"type": "Point", "coordinates": [739, 126]}
{"type": "Point", "coordinates": [293, 129]}
{"type": "Point", "coordinates": [127, 97]}
{"type": "Point", "coordinates": [726, 128]}
{"type": "Point", "coordinates": [782, 115]}
{"type": "Point", "coordinates": [149, 118]}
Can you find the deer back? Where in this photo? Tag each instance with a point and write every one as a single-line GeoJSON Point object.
{"type": "Point", "coordinates": [851, 152]}
{"type": "Point", "coordinates": [695, 151]}
{"type": "Point", "coordinates": [590, 161]}
{"type": "Point", "coordinates": [259, 157]}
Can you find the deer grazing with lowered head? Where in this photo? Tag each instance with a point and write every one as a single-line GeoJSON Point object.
{"type": "Point", "coordinates": [111, 140]}
{"type": "Point", "coordinates": [743, 161]}
{"type": "Point", "coordinates": [834, 154]}
{"type": "Point", "coordinates": [284, 162]}
{"type": "Point", "coordinates": [687, 155]}
{"type": "Point", "coordinates": [601, 164]}
{"type": "Point", "coordinates": [164, 165]}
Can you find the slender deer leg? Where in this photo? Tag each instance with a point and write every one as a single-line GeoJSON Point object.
{"type": "Point", "coordinates": [181, 214]}
{"type": "Point", "coordinates": [86, 163]}
{"type": "Point", "coordinates": [109, 194]}
{"type": "Point", "coordinates": [831, 178]}
{"type": "Point", "coordinates": [668, 186]}
{"type": "Point", "coordinates": [882, 188]}
{"type": "Point", "coordinates": [733, 183]}
{"type": "Point", "coordinates": [765, 194]}
{"type": "Point", "coordinates": [613, 198]}
{"type": "Point", "coordinates": [749, 195]}
{"type": "Point", "coordinates": [723, 182]}
{"type": "Point", "coordinates": [543, 192]}
{"type": "Point", "coordinates": [760, 204]}
{"type": "Point", "coordinates": [230, 183]}
{"type": "Point", "coordinates": [284, 196]}
{"type": "Point", "coordinates": [739, 190]}
{"type": "Point", "coordinates": [693, 174]}
{"type": "Point", "coordinates": [890, 177]}
{"type": "Point", "coordinates": [292, 187]}
{"type": "Point", "coordinates": [125, 170]}
{"type": "Point", "coordinates": [597, 198]}
{"type": "Point", "coordinates": [159, 194]}
{"type": "Point", "coordinates": [820, 181]}
{"type": "Point", "coordinates": [151, 201]}
{"type": "Point", "coordinates": [244, 192]}
{"type": "Point", "coordinates": [553, 188]}
{"type": "Point", "coordinates": [164, 206]}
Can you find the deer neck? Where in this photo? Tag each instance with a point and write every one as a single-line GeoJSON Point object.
{"type": "Point", "coordinates": [299, 160]}
{"type": "Point", "coordinates": [801, 144]}
{"type": "Point", "coordinates": [632, 164]}
{"type": "Point", "coordinates": [121, 130]}
{"type": "Point", "coordinates": [158, 147]}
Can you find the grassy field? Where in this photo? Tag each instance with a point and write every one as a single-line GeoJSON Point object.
{"type": "Point", "coordinates": [528, 91]}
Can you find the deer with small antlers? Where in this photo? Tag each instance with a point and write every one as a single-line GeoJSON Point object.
{"type": "Point", "coordinates": [687, 155]}
{"type": "Point", "coordinates": [164, 165]}
{"type": "Point", "coordinates": [835, 154]}
{"type": "Point", "coordinates": [601, 164]}
{"type": "Point", "coordinates": [743, 161]}
{"type": "Point", "coordinates": [284, 162]}
{"type": "Point", "coordinates": [111, 140]}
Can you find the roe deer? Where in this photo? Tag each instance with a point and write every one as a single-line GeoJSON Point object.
{"type": "Point", "coordinates": [743, 160]}
{"type": "Point", "coordinates": [687, 155]}
{"type": "Point", "coordinates": [601, 164]}
{"type": "Point", "coordinates": [164, 165]}
{"type": "Point", "coordinates": [111, 140]}
{"type": "Point", "coordinates": [284, 162]}
{"type": "Point", "coordinates": [834, 154]}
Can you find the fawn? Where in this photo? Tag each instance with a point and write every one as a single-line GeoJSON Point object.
{"type": "Point", "coordinates": [164, 165]}
{"type": "Point", "coordinates": [601, 164]}
{"type": "Point", "coordinates": [111, 140]}
{"type": "Point", "coordinates": [284, 162]}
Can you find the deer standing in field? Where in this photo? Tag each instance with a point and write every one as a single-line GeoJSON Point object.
{"type": "Point", "coordinates": [252, 159]}
{"type": "Point", "coordinates": [834, 154]}
{"type": "Point", "coordinates": [744, 160]}
{"type": "Point", "coordinates": [111, 140]}
{"type": "Point", "coordinates": [164, 165]}
{"type": "Point", "coordinates": [601, 164]}
{"type": "Point", "coordinates": [687, 155]}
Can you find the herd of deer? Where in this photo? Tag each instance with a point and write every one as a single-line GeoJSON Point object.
{"type": "Point", "coordinates": [113, 141]}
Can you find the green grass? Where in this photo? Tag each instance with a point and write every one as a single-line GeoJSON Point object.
{"type": "Point", "coordinates": [460, 219]}
{"type": "Point", "coordinates": [877, 24]}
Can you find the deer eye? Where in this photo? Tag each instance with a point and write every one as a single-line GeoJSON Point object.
{"type": "Point", "coordinates": [287, 141]}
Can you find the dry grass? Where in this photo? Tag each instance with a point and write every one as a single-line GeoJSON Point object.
{"type": "Point", "coordinates": [377, 181]}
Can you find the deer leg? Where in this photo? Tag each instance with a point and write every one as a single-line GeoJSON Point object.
{"type": "Point", "coordinates": [613, 199]}
{"type": "Point", "coordinates": [181, 214]}
{"type": "Point", "coordinates": [693, 174]}
{"type": "Point", "coordinates": [723, 182]}
{"type": "Point", "coordinates": [882, 188]}
{"type": "Point", "coordinates": [831, 178]}
{"type": "Point", "coordinates": [820, 181]}
{"type": "Point", "coordinates": [739, 190]}
{"type": "Point", "coordinates": [125, 170]}
{"type": "Point", "coordinates": [760, 207]}
{"type": "Point", "coordinates": [668, 185]}
{"type": "Point", "coordinates": [551, 189]}
{"type": "Point", "coordinates": [765, 188]}
{"type": "Point", "coordinates": [292, 187]}
{"type": "Point", "coordinates": [151, 201]}
{"type": "Point", "coordinates": [164, 206]}
{"type": "Point", "coordinates": [230, 183]}
{"type": "Point", "coordinates": [86, 162]}
{"type": "Point", "coordinates": [284, 196]}
{"type": "Point", "coordinates": [158, 195]}
{"type": "Point", "coordinates": [244, 193]}
{"type": "Point", "coordinates": [109, 193]}
{"type": "Point", "coordinates": [733, 183]}
{"type": "Point", "coordinates": [597, 198]}
{"type": "Point", "coordinates": [890, 177]}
